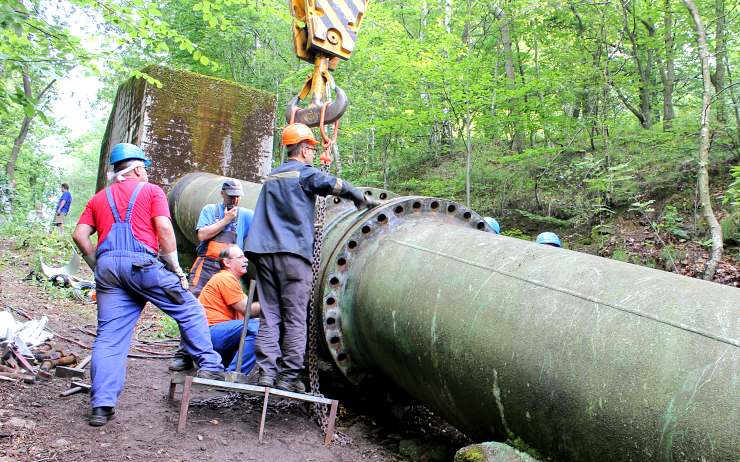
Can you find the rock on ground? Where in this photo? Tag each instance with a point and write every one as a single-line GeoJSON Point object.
{"type": "Point", "coordinates": [491, 452]}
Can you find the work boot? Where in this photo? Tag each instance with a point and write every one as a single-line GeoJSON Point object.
{"type": "Point", "coordinates": [294, 385]}
{"type": "Point", "coordinates": [181, 363]}
{"type": "Point", "coordinates": [211, 375]}
{"type": "Point", "coordinates": [101, 415]}
{"type": "Point", "coordinates": [266, 381]}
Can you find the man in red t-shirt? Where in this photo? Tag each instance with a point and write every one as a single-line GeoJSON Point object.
{"type": "Point", "coordinates": [225, 304]}
{"type": "Point", "coordinates": [132, 220]}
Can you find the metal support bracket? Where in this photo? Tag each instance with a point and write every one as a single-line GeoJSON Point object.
{"type": "Point", "coordinates": [188, 381]}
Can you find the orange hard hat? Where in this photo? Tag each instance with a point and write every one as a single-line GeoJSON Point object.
{"type": "Point", "coordinates": [295, 133]}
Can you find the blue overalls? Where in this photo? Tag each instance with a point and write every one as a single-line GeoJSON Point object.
{"type": "Point", "coordinates": [128, 275]}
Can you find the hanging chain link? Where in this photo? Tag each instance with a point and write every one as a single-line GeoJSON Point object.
{"type": "Point", "coordinates": [320, 411]}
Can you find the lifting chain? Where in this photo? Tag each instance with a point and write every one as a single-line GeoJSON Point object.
{"type": "Point", "coordinates": [319, 410]}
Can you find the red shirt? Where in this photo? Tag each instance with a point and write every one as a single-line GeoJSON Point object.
{"type": "Point", "coordinates": [150, 203]}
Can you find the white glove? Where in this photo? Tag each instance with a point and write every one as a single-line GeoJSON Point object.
{"type": "Point", "coordinates": [171, 263]}
{"type": "Point", "coordinates": [183, 280]}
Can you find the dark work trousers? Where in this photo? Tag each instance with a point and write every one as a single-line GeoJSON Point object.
{"type": "Point", "coordinates": [283, 285]}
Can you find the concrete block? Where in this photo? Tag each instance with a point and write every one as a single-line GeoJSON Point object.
{"type": "Point", "coordinates": [193, 123]}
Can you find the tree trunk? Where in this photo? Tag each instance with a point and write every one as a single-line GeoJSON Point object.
{"type": "Point", "coordinates": [704, 197]}
{"type": "Point", "coordinates": [386, 142]}
{"type": "Point", "coordinates": [541, 95]}
{"type": "Point", "coordinates": [524, 85]}
{"type": "Point", "coordinates": [21, 138]}
{"type": "Point", "coordinates": [505, 26]}
{"type": "Point", "coordinates": [720, 52]}
{"type": "Point", "coordinates": [423, 20]}
{"type": "Point", "coordinates": [668, 74]}
{"type": "Point", "coordinates": [496, 65]}
{"type": "Point", "coordinates": [644, 66]}
{"type": "Point", "coordinates": [25, 126]}
{"type": "Point", "coordinates": [468, 155]}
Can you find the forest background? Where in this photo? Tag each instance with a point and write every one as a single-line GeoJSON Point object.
{"type": "Point", "coordinates": [582, 117]}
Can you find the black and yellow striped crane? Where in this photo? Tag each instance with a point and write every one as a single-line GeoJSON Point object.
{"type": "Point", "coordinates": [324, 31]}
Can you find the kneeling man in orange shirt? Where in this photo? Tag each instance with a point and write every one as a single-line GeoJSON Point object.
{"type": "Point", "coordinates": [225, 304]}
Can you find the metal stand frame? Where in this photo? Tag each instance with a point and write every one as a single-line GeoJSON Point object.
{"type": "Point", "coordinates": [188, 381]}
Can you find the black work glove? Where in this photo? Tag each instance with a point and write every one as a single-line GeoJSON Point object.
{"type": "Point", "coordinates": [355, 195]}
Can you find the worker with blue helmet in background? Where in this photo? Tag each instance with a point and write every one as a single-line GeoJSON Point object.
{"type": "Point", "coordinates": [548, 238]}
{"type": "Point", "coordinates": [493, 224]}
{"type": "Point", "coordinates": [132, 220]}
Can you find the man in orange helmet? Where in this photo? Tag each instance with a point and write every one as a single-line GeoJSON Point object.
{"type": "Point", "coordinates": [280, 242]}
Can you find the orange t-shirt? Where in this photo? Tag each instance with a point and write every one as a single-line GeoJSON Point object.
{"type": "Point", "coordinates": [221, 291]}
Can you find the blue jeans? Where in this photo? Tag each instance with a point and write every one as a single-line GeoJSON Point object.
{"type": "Point", "coordinates": [225, 339]}
{"type": "Point", "coordinates": [122, 292]}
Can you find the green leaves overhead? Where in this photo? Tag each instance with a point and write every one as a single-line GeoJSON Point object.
{"type": "Point", "coordinates": [553, 106]}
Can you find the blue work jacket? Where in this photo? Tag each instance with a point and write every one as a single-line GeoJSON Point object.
{"type": "Point", "coordinates": [284, 216]}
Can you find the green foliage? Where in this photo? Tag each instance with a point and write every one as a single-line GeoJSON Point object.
{"type": "Point", "coordinates": [621, 255]}
{"type": "Point", "coordinates": [551, 221]}
{"type": "Point", "coordinates": [668, 254]}
{"type": "Point", "coordinates": [81, 175]}
{"type": "Point", "coordinates": [733, 191]}
{"type": "Point", "coordinates": [731, 227]}
{"type": "Point", "coordinates": [519, 444]}
{"type": "Point", "coordinates": [32, 240]}
{"type": "Point", "coordinates": [549, 126]}
{"type": "Point", "coordinates": [167, 327]}
{"type": "Point", "coordinates": [52, 248]}
{"type": "Point", "coordinates": [672, 222]}
{"type": "Point", "coordinates": [517, 233]}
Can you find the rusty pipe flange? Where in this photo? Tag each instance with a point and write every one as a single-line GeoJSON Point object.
{"type": "Point", "coordinates": [337, 289]}
{"type": "Point", "coordinates": [341, 215]}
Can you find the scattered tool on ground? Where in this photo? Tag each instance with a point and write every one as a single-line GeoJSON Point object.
{"type": "Point", "coordinates": [77, 371]}
{"type": "Point", "coordinates": [76, 387]}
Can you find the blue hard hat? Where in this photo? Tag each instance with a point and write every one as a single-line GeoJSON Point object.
{"type": "Point", "coordinates": [493, 224]}
{"type": "Point", "coordinates": [548, 238]}
{"type": "Point", "coordinates": [128, 151]}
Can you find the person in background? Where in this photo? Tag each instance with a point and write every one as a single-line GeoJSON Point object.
{"type": "Point", "coordinates": [548, 238]}
{"type": "Point", "coordinates": [62, 209]}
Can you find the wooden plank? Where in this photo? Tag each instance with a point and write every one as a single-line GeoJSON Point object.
{"type": "Point", "coordinates": [330, 424]}
{"type": "Point", "coordinates": [173, 388]}
{"type": "Point", "coordinates": [185, 403]}
{"type": "Point", "coordinates": [264, 413]}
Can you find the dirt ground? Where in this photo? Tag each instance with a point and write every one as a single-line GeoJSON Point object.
{"type": "Point", "coordinates": [38, 425]}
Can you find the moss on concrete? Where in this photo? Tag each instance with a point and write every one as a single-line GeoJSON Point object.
{"type": "Point", "coordinates": [491, 452]}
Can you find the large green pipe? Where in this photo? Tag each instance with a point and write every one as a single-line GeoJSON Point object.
{"type": "Point", "coordinates": [581, 357]}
